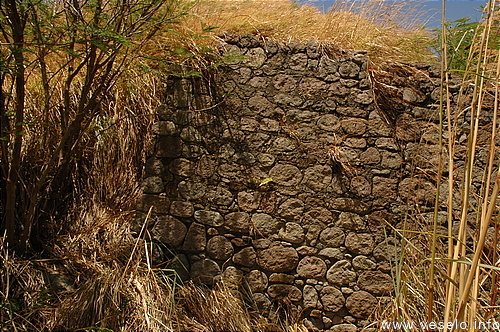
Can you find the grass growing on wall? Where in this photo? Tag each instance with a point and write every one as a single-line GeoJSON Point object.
{"type": "Point", "coordinates": [387, 31]}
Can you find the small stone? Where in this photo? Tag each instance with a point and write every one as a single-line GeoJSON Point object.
{"type": "Point", "coordinates": [332, 253]}
{"type": "Point", "coordinates": [291, 209]}
{"type": "Point", "coordinates": [154, 166]}
{"type": "Point", "coordinates": [257, 281]}
{"type": "Point", "coordinates": [219, 248]}
{"type": "Point", "coordinates": [354, 126]}
{"type": "Point", "coordinates": [363, 263]}
{"type": "Point", "coordinates": [285, 291]}
{"type": "Point", "coordinates": [245, 257]}
{"type": "Point", "coordinates": [311, 267]}
{"type": "Point", "coordinates": [261, 243]}
{"type": "Point", "coordinates": [391, 160]}
{"type": "Point", "coordinates": [387, 143]}
{"type": "Point", "coordinates": [307, 251]}
{"type": "Point", "coordinates": [332, 299]}
{"type": "Point", "coordinates": [249, 201]}
{"type": "Point", "coordinates": [266, 159]}
{"type": "Point", "coordinates": [238, 222]}
{"type": "Point", "coordinates": [232, 277]}
{"type": "Point", "coordinates": [206, 166]}
{"type": "Point", "coordinates": [385, 251]}
{"type": "Point", "coordinates": [152, 185]}
{"type": "Point", "coordinates": [169, 230]}
{"type": "Point", "coordinates": [310, 297]}
{"type": "Point", "coordinates": [210, 218]}
{"type": "Point", "coordinates": [205, 271]}
{"type": "Point", "coordinates": [285, 175]}
{"type": "Point", "coordinates": [191, 190]}
{"type": "Point", "coordinates": [344, 328]}
{"type": "Point", "coordinates": [346, 290]}
{"type": "Point", "coordinates": [376, 282]}
{"type": "Point", "coordinates": [340, 274]}
{"type": "Point", "coordinates": [239, 242]}
{"type": "Point", "coordinates": [212, 231]}
{"type": "Point", "coordinates": [361, 304]}
{"type": "Point", "coordinates": [359, 244]}
{"type": "Point", "coordinates": [349, 69]}
{"type": "Point", "coordinates": [350, 205]}
{"type": "Point", "coordinates": [164, 128]}
{"type": "Point", "coordinates": [196, 239]}
{"type": "Point", "coordinates": [292, 233]}
{"type": "Point", "coordinates": [350, 221]}
{"type": "Point", "coordinates": [278, 259]}
{"type": "Point", "coordinates": [384, 187]}
{"type": "Point", "coordinates": [281, 278]}
{"type": "Point", "coordinates": [361, 186]}
{"type": "Point", "coordinates": [329, 122]}
{"type": "Point", "coordinates": [264, 224]}
{"type": "Point", "coordinates": [318, 177]}
{"type": "Point", "coordinates": [181, 209]}
{"type": "Point", "coordinates": [370, 157]}
{"type": "Point", "coordinates": [332, 237]}
{"type": "Point", "coordinates": [222, 196]}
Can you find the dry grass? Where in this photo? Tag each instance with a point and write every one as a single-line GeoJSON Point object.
{"type": "Point", "coordinates": [449, 271]}
{"type": "Point", "coordinates": [388, 32]}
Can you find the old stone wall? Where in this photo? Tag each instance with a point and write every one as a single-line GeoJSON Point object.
{"type": "Point", "coordinates": [286, 172]}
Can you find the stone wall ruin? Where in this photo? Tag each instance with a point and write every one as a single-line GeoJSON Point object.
{"type": "Point", "coordinates": [284, 172]}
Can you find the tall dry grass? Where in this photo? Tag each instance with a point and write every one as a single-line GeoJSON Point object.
{"type": "Point", "coordinates": [449, 273]}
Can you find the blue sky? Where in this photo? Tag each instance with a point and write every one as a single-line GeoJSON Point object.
{"type": "Point", "coordinates": [455, 9]}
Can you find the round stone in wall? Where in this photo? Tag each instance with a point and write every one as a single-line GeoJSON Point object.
{"type": "Point", "coordinates": [257, 281]}
{"type": "Point", "coordinates": [376, 282]}
{"type": "Point", "coordinates": [237, 222]}
{"type": "Point", "coordinates": [363, 263]}
{"type": "Point", "coordinates": [318, 177]}
{"type": "Point", "coordinates": [332, 237]}
{"type": "Point", "coordinates": [292, 233]}
{"type": "Point", "coordinates": [205, 271]}
{"type": "Point", "coordinates": [219, 248]}
{"type": "Point", "coordinates": [248, 201]}
{"type": "Point", "coordinates": [285, 175]}
{"type": "Point", "coordinates": [351, 221]}
{"type": "Point", "coordinates": [182, 167]}
{"type": "Point", "coordinates": [265, 224]}
{"type": "Point", "coordinates": [361, 304]}
{"type": "Point", "coordinates": [283, 290]}
{"type": "Point", "coordinates": [311, 267]}
{"type": "Point", "coordinates": [329, 122]}
{"type": "Point", "coordinates": [310, 297]}
{"type": "Point", "coordinates": [332, 299]}
{"type": "Point", "coordinates": [210, 218]}
{"type": "Point", "coordinates": [245, 257]}
{"type": "Point", "coordinates": [278, 259]}
{"type": "Point", "coordinates": [191, 190]}
{"type": "Point", "coordinates": [152, 185]}
{"type": "Point", "coordinates": [359, 244]}
{"type": "Point", "coordinates": [196, 239]}
{"type": "Point", "coordinates": [181, 209]}
{"type": "Point", "coordinates": [169, 230]}
{"type": "Point", "coordinates": [340, 274]}
{"type": "Point", "coordinates": [291, 209]}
